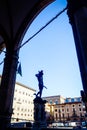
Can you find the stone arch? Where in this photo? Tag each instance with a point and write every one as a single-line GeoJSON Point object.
{"type": "Point", "coordinates": [30, 18]}
{"type": "Point", "coordinates": [17, 23]}
{"type": "Point", "coordinates": [13, 25]}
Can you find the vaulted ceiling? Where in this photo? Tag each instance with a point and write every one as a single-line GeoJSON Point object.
{"type": "Point", "coordinates": [15, 18]}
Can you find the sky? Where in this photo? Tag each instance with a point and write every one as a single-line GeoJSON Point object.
{"type": "Point", "coordinates": [53, 51]}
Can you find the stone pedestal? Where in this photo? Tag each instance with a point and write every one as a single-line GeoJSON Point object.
{"type": "Point", "coordinates": [39, 114]}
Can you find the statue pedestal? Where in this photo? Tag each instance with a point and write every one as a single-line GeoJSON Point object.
{"type": "Point", "coordinates": [39, 114]}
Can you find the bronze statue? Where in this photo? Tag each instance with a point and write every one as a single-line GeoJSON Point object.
{"type": "Point", "coordinates": [40, 82]}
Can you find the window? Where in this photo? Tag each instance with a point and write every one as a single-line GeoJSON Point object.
{"type": "Point", "coordinates": [23, 92]}
{"type": "Point", "coordinates": [56, 102]}
{"type": "Point", "coordinates": [21, 109]}
{"type": "Point", "coordinates": [66, 100]}
{"type": "Point", "coordinates": [56, 116]}
{"type": "Point", "coordinates": [18, 108]}
{"type": "Point", "coordinates": [72, 100]}
{"type": "Point", "coordinates": [55, 110]}
{"type": "Point", "coordinates": [73, 105]}
{"type": "Point", "coordinates": [50, 101]}
{"type": "Point", "coordinates": [73, 110]}
{"type": "Point", "coordinates": [25, 109]}
{"type": "Point", "coordinates": [79, 109]}
{"type": "Point", "coordinates": [81, 114]}
{"type": "Point", "coordinates": [59, 111]}
{"type": "Point", "coordinates": [68, 115]}
{"type": "Point", "coordinates": [67, 110]}
{"type": "Point", "coordinates": [19, 99]}
{"type": "Point", "coordinates": [78, 99]}
{"type": "Point", "coordinates": [63, 115]}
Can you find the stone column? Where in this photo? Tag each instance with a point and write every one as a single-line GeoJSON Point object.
{"type": "Point", "coordinates": [77, 12]}
{"type": "Point", "coordinates": [7, 88]}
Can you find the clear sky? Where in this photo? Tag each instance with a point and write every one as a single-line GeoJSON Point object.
{"type": "Point", "coordinates": [53, 51]}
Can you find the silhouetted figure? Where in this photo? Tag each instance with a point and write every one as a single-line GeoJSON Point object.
{"type": "Point", "coordinates": [40, 82]}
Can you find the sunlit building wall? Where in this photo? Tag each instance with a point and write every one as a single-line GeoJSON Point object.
{"type": "Point", "coordinates": [66, 108]}
{"type": "Point", "coordinates": [54, 99]}
{"type": "Point", "coordinates": [23, 107]}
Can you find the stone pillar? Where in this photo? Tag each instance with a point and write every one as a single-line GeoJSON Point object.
{"type": "Point", "coordinates": [39, 114]}
{"type": "Point", "coordinates": [77, 12]}
{"type": "Point", "coordinates": [7, 88]}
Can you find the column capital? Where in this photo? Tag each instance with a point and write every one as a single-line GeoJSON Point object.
{"type": "Point", "coordinates": [73, 6]}
{"type": "Point", "coordinates": [13, 54]}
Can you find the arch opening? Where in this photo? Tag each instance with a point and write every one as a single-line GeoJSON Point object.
{"type": "Point", "coordinates": [51, 40]}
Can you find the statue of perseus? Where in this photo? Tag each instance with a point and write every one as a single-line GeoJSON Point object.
{"type": "Point", "coordinates": [39, 105]}
{"type": "Point", "coordinates": [40, 82]}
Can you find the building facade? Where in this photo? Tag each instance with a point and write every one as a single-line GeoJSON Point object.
{"type": "Point", "coordinates": [66, 109]}
{"type": "Point", "coordinates": [23, 107]}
